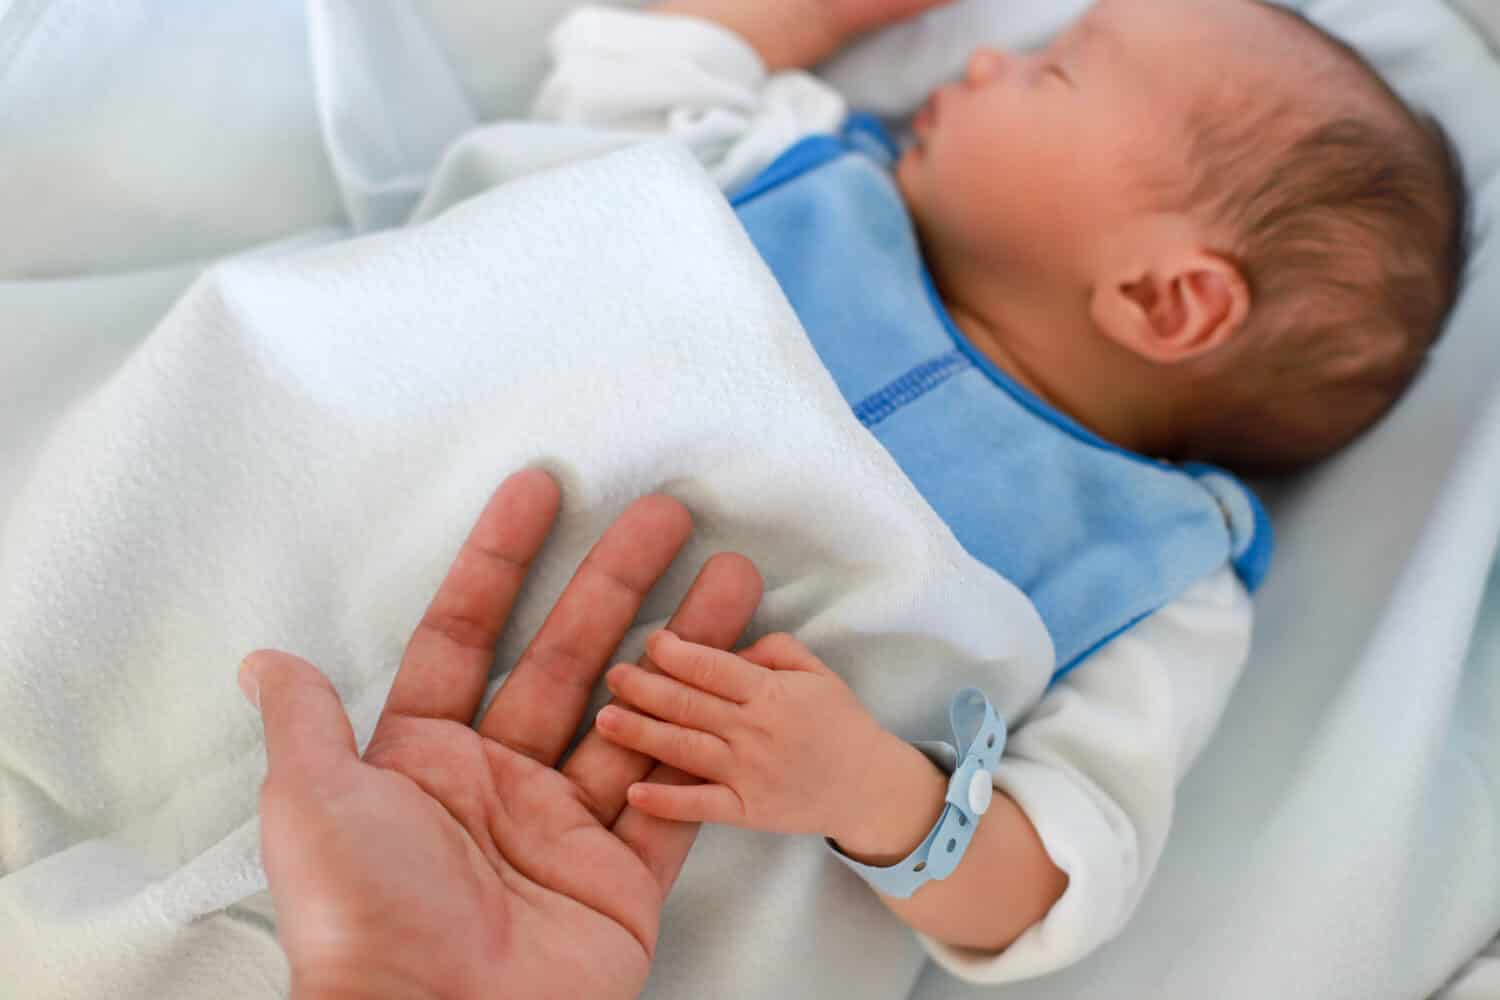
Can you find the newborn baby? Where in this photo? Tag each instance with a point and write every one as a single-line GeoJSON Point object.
{"type": "Point", "coordinates": [1187, 234]}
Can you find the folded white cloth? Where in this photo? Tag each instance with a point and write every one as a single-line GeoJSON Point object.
{"type": "Point", "coordinates": [290, 459]}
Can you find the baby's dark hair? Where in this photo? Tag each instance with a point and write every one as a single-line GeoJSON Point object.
{"type": "Point", "coordinates": [1352, 218]}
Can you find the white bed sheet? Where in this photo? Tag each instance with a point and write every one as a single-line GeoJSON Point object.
{"type": "Point", "coordinates": [1340, 837]}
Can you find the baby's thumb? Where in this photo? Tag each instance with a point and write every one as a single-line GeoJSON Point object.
{"type": "Point", "coordinates": [306, 727]}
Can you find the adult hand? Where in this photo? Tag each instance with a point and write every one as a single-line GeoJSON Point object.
{"type": "Point", "coordinates": [457, 861]}
{"type": "Point", "coordinates": [866, 15]}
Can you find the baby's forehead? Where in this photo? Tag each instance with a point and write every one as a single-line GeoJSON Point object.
{"type": "Point", "coordinates": [1229, 26]}
{"type": "Point", "coordinates": [1214, 46]}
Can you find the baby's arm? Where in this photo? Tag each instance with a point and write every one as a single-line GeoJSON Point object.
{"type": "Point", "coordinates": [787, 748]}
{"type": "Point", "coordinates": [796, 34]}
{"type": "Point", "coordinates": [1091, 773]}
{"type": "Point", "coordinates": [1096, 766]}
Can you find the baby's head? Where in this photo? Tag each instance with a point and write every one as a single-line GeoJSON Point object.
{"type": "Point", "coordinates": [1207, 211]}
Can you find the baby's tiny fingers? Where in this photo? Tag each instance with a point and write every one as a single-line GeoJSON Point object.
{"type": "Point", "coordinates": [689, 803]}
{"type": "Point", "coordinates": [697, 753]}
{"type": "Point", "coordinates": [711, 670]}
{"type": "Point", "coordinates": [669, 699]}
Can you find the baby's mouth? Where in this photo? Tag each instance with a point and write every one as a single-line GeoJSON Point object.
{"type": "Point", "coordinates": [926, 116]}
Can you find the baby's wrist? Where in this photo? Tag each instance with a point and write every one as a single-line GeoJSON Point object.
{"type": "Point", "coordinates": [896, 807]}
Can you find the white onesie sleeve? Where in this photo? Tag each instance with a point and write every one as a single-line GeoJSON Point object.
{"type": "Point", "coordinates": [697, 82]}
{"type": "Point", "coordinates": [1095, 766]}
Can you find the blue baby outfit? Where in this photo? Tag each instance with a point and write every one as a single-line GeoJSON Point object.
{"type": "Point", "coordinates": [1097, 537]}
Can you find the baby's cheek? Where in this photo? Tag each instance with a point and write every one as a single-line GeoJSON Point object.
{"type": "Point", "coordinates": [996, 201]}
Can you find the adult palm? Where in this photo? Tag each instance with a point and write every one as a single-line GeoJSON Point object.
{"type": "Point", "coordinates": [458, 861]}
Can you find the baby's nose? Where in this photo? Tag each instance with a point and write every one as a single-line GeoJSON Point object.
{"type": "Point", "coordinates": [984, 65]}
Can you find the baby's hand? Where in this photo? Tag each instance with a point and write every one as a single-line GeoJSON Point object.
{"type": "Point", "coordinates": [781, 740]}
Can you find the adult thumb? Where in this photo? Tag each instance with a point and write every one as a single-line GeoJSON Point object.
{"type": "Point", "coordinates": [307, 730]}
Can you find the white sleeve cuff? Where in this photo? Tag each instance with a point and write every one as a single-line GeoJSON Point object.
{"type": "Point", "coordinates": [1100, 867]}
{"type": "Point", "coordinates": [1096, 764]}
{"type": "Point", "coordinates": [685, 78]}
{"type": "Point", "coordinates": [618, 67]}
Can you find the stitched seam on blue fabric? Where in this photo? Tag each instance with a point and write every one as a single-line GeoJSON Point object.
{"type": "Point", "coordinates": [909, 388]}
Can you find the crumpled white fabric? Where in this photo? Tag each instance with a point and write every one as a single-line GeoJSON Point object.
{"type": "Point", "coordinates": [290, 459]}
{"type": "Point", "coordinates": [290, 455]}
{"type": "Point", "coordinates": [1338, 840]}
{"type": "Point", "coordinates": [1094, 766]}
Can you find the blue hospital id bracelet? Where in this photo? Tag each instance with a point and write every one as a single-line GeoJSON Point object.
{"type": "Point", "coordinates": [970, 791]}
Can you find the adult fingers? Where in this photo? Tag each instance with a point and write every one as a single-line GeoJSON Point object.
{"type": "Point", "coordinates": [715, 611]}
{"type": "Point", "coordinates": [448, 659]}
{"type": "Point", "coordinates": [307, 732]}
{"type": "Point", "coordinates": [537, 709]}
{"type": "Point", "coordinates": [662, 844]}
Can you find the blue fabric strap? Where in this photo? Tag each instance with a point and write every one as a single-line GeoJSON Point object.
{"type": "Point", "coordinates": [979, 735]}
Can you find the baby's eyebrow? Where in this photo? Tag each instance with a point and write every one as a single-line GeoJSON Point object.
{"type": "Point", "coordinates": [1085, 32]}
{"type": "Point", "coordinates": [1061, 43]}
{"type": "Point", "coordinates": [1068, 43]}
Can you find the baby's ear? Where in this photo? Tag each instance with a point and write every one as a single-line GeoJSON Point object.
{"type": "Point", "coordinates": [1181, 306]}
